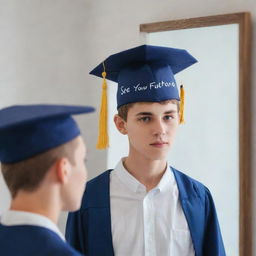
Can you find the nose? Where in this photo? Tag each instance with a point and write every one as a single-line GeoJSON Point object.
{"type": "Point", "coordinates": [159, 128]}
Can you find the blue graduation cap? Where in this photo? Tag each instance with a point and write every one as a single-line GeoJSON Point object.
{"type": "Point", "coordinates": [28, 130]}
{"type": "Point", "coordinates": [143, 74]}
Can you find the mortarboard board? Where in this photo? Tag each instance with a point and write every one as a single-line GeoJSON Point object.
{"type": "Point", "coordinates": [28, 130]}
{"type": "Point", "coordinates": [143, 74]}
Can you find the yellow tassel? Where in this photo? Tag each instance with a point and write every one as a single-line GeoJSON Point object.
{"type": "Point", "coordinates": [182, 104]}
{"type": "Point", "coordinates": [103, 121]}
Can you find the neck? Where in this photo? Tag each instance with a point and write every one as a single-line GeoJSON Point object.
{"type": "Point", "coordinates": [36, 203]}
{"type": "Point", "coordinates": [146, 171]}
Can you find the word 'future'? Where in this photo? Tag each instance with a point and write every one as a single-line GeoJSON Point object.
{"type": "Point", "coordinates": [138, 88]}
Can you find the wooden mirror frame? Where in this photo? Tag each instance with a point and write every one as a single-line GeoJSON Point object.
{"type": "Point", "coordinates": [244, 21]}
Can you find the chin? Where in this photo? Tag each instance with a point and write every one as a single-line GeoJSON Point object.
{"type": "Point", "coordinates": [155, 157]}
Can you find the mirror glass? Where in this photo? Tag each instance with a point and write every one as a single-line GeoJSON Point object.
{"type": "Point", "coordinates": [207, 145]}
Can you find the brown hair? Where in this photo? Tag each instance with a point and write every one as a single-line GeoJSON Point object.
{"type": "Point", "coordinates": [28, 174]}
{"type": "Point", "coordinates": [123, 110]}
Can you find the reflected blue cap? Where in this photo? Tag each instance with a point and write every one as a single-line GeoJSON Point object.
{"type": "Point", "coordinates": [145, 73]}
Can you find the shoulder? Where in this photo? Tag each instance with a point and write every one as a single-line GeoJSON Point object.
{"type": "Point", "coordinates": [101, 179]}
{"type": "Point", "coordinates": [53, 244]}
{"type": "Point", "coordinates": [188, 186]}
{"type": "Point", "coordinates": [57, 246]}
{"type": "Point", "coordinates": [62, 249]}
{"type": "Point", "coordinates": [191, 189]}
{"type": "Point", "coordinates": [33, 240]}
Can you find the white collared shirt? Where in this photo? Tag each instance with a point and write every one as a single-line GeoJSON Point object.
{"type": "Point", "coordinates": [147, 223]}
{"type": "Point", "coordinates": [13, 218]}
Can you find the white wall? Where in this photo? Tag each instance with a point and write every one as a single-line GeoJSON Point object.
{"type": "Point", "coordinates": [44, 59]}
{"type": "Point", "coordinates": [48, 47]}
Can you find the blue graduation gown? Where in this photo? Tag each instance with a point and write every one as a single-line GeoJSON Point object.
{"type": "Point", "coordinates": [28, 240]}
{"type": "Point", "coordinates": [89, 229]}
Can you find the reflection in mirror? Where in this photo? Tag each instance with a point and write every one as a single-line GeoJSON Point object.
{"type": "Point", "coordinates": [207, 145]}
{"type": "Point", "coordinates": [214, 144]}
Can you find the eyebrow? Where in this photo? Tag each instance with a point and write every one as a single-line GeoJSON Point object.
{"type": "Point", "coordinates": [170, 112]}
{"type": "Point", "coordinates": [144, 114]}
{"type": "Point", "coordinates": [150, 114]}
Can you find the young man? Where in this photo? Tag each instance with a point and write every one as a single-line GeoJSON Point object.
{"type": "Point", "coordinates": [144, 206]}
{"type": "Point", "coordinates": [42, 160]}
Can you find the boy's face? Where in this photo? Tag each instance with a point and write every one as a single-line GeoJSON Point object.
{"type": "Point", "coordinates": [151, 128]}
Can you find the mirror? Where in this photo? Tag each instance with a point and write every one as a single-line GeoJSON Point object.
{"type": "Point", "coordinates": [214, 144]}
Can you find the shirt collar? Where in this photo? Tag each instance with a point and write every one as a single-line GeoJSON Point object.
{"type": "Point", "coordinates": [11, 218]}
{"type": "Point", "coordinates": [126, 178]}
{"type": "Point", "coordinates": [167, 179]}
{"type": "Point", "coordinates": [136, 186]}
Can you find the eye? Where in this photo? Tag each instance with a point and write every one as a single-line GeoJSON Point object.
{"type": "Point", "coordinates": [145, 119]}
{"type": "Point", "coordinates": [169, 117]}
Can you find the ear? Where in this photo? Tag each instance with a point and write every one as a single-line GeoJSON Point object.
{"type": "Point", "coordinates": [120, 124]}
{"type": "Point", "coordinates": [63, 170]}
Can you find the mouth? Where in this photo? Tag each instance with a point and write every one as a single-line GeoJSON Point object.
{"type": "Point", "coordinates": [159, 144]}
